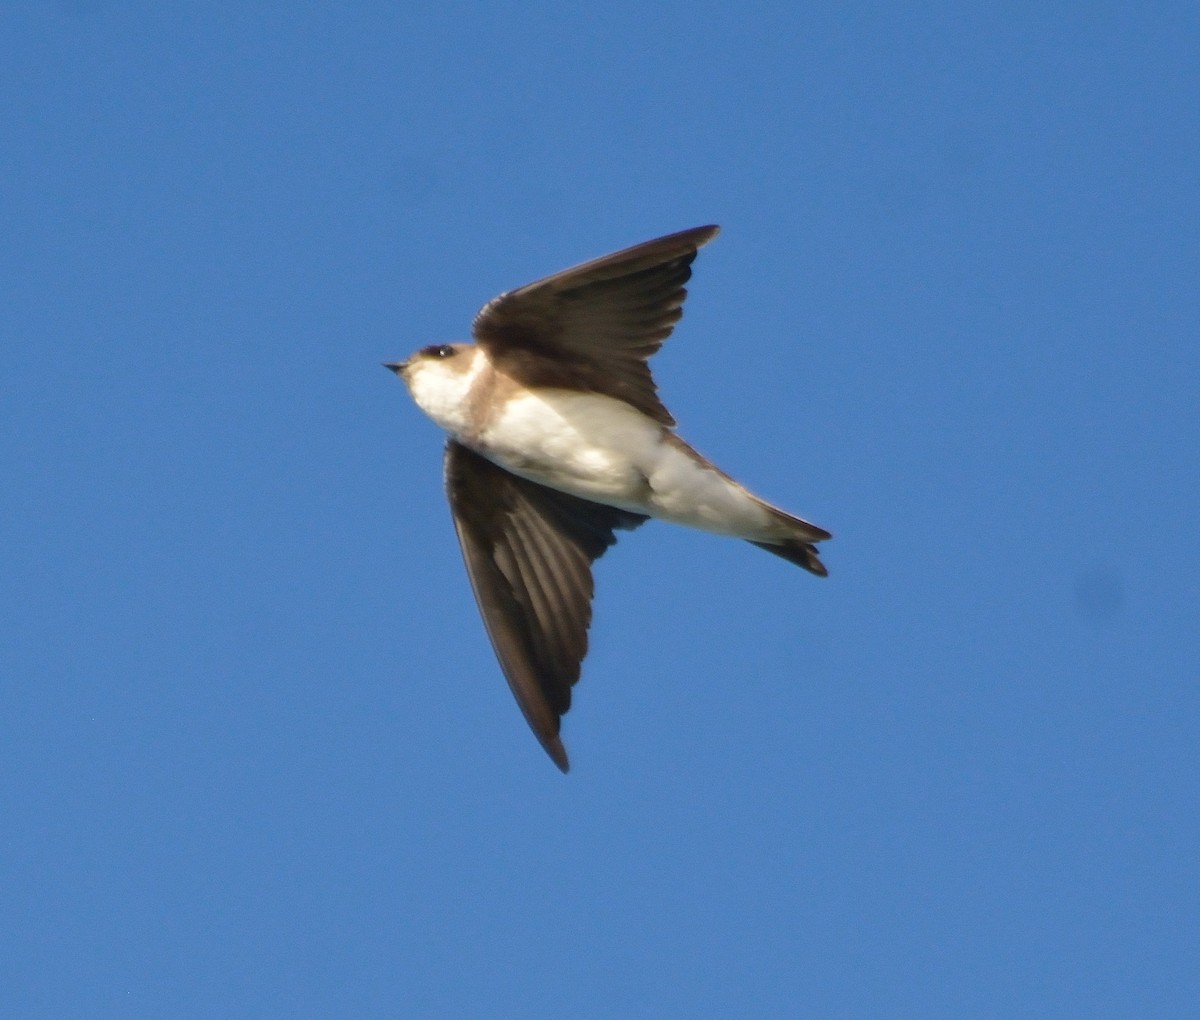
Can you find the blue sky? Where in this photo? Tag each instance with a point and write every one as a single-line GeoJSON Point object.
{"type": "Point", "coordinates": [256, 755]}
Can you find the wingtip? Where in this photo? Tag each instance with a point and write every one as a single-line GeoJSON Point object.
{"type": "Point", "coordinates": [694, 237]}
{"type": "Point", "coordinates": [558, 754]}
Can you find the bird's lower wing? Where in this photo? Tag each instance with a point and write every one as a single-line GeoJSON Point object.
{"type": "Point", "coordinates": [529, 551]}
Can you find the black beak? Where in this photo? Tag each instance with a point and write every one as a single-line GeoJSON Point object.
{"type": "Point", "coordinates": [395, 366]}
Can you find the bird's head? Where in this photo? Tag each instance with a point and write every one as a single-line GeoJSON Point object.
{"type": "Point", "coordinates": [439, 378]}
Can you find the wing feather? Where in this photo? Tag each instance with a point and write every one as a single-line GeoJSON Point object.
{"type": "Point", "coordinates": [529, 551]}
{"type": "Point", "coordinates": [595, 326]}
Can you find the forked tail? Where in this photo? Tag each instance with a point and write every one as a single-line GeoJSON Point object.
{"type": "Point", "coordinates": [796, 541]}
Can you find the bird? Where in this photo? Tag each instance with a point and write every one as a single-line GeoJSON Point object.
{"type": "Point", "coordinates": [557, 439]}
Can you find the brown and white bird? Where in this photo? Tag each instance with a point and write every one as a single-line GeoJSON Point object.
{"type": "Point", "coordinates": [558, 438]}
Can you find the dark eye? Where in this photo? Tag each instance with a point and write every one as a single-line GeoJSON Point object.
{"type": "Point", "coordinates": [438, 351]}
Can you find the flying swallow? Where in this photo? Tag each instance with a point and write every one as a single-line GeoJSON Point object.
{"type": "Point", "coordinates": [557, 439]}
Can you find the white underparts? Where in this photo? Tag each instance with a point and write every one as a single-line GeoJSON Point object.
{"type": "Point", "coordinates": [442, 389]}
{"type": "Point", "coordinates": [603, 449]}
{"type": "Point", "coordinates": [591, 446]}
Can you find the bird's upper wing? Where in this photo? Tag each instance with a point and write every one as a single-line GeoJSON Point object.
{"type": "Point", "coordinates": [529, 552]}
{"type": "Point", "coordinates": [594, 326]}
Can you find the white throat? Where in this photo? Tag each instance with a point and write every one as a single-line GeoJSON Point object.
{"type": "Point", "coordinates": [441, 389]}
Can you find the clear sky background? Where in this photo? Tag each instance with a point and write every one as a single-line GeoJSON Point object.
{"type": "Point", "coordinates": [256, 755]}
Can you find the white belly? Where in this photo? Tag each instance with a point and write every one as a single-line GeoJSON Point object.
{"type": "Point", "coordinates": [589, 445]}
{"type": "Point", "coordinates": [602, 449]}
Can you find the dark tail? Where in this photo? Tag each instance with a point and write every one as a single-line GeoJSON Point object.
{"type": "Point", "coordinates": [803, 554]}
{"type": "Point", "coordinates": [796, 542]}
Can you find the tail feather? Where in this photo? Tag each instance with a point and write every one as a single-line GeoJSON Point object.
{"type": "Point", "coordinates": [795, 543]}
{"type": "Point", "coordinates": [803, 554]}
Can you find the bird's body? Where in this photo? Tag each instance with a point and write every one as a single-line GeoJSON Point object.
{"type": "Point", "coordinates": [557, 438]}
{"type": "Point", "coordinates": [589, 445]}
